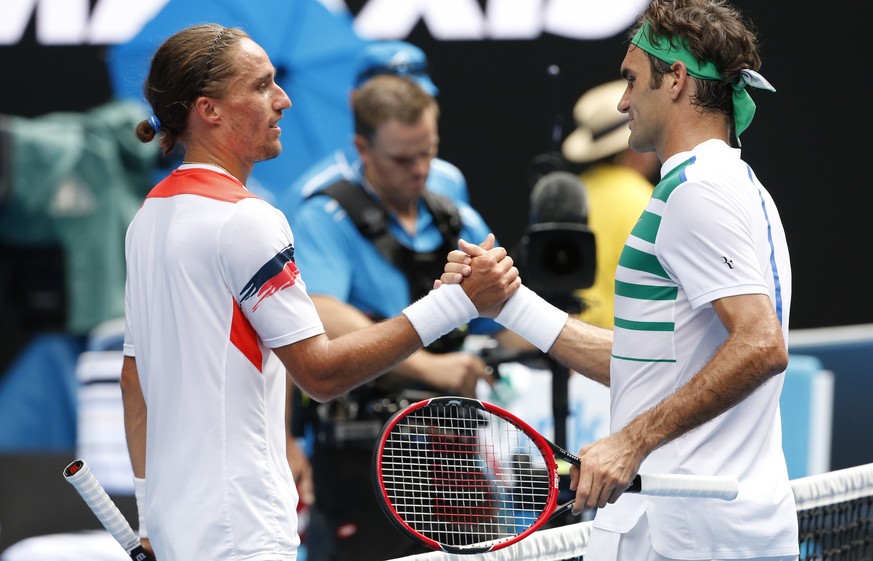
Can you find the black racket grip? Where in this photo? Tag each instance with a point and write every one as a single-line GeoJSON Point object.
{"type": "Point", "coordinates": [636, 485]}
{"type": "Point", "coordinates": [140, 554]}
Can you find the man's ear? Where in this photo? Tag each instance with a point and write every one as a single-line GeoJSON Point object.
{"type": "Point", "coordinates": [362, 145]}
{"type": "Point", "coordinates": [206, 110]}
{"type": "Point", "coordinates": [679, 78]}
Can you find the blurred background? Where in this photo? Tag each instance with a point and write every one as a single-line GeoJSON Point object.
{"type": "Point", "coordinates": [490, 60]}
{"type": "Point", "coordinates": [509, 73]}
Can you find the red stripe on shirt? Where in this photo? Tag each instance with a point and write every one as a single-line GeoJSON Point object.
{"type": "Point", "coordinates": [244, 338]}
{"type": "Point", "coordinates": [202, 183]}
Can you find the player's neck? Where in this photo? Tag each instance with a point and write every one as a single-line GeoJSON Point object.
{"type": "Point", "coordinates": [684, 139]}
{"type": "Point", "coordinates": [232, 166]}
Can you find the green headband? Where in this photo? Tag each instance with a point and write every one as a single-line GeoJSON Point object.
{"type": "Point", "coordinates": [676, 49]}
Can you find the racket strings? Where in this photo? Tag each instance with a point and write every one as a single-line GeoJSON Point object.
{"type": "Point", "coordinates": [461, 476]}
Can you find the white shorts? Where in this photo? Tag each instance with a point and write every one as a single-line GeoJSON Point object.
{"type": "Point", "coordinates": [636, 545]}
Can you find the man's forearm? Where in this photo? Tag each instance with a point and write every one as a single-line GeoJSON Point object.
{"type": "Point", "coordinates": [135, 416]}
{"type": "Point", "coordinates": [736, 370]}
{"type": "Point", "coordinates": [584, 348]}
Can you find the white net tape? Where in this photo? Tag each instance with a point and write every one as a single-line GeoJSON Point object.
{"type": "Point", "coordinates": [552, 544]}
{"type": "Point", "coordinates": [833, 487]}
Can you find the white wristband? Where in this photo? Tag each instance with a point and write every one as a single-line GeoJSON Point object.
{"type": "Point", "coordinates": [533, 318]}
{"type": "Point", "coordinates": [139, 491]}
{"type": "Point", "coordinates": [442, 310]}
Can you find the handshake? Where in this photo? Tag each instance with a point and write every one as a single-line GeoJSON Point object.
{"type": "Point", "coordinates": [482, 281]}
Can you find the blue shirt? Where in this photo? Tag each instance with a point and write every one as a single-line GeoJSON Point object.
{"type": "Point", "coordinates": [444, 179]}
{"type": "Point", "coordinates": [336, 260]}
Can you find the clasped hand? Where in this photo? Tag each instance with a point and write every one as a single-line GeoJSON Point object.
{"type": "Point", "coordinates": [487, 274]}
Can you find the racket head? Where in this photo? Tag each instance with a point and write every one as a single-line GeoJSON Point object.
{"type": "Point", "coordinates": [464, 476]}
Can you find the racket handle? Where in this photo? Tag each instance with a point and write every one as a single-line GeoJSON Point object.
{"type": "Point", "coordinates": [674, 485]}
{"type": "Point", "coordinates": [79, 475]}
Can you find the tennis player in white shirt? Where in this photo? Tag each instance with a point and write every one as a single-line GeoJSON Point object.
{"type": "Point", "coordinates": [216, 312]}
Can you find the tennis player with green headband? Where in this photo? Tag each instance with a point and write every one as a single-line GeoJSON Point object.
{"type": "Point", "coordinates": [703, 293]}
{"type": "Point", "coordinates": [696, 361]}
{"type": "Point", "coordinates": [675, 49]}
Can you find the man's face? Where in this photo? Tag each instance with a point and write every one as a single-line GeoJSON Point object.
{"type": "Point", "coordinates": [641, 103]}
{"type": "Point", "coordinates": [253, 105]}
{"type": "Point", "coordinates": [397, 161]}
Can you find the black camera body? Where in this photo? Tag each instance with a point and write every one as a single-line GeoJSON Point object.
{"type": "Point", "coordinates": [560, 257]}
{"type": "Point", "coordinates": [557, 254]}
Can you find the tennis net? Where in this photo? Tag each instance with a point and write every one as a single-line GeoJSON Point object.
{"type": "Point", "coordinates": [834, 514]}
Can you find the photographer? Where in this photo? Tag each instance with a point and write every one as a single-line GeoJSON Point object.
{"type": "Point", "coordinates": [368, 248]}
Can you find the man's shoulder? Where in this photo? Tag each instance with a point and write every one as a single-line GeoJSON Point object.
{"type": "Point", "coordinates": [448, 172]}
{"type": "Point", "coordinates": [322, 207]}
{"type": "Point", "coordinates": [323, 173]}
{"type": "Point", "coordinates": [447, 169]}
{"type": "Point", "coordinates": [328, 170]}
{"type": "Point", "coordinates": [446, 179]}
{"type": "Point", "coordinates": [716, 159]}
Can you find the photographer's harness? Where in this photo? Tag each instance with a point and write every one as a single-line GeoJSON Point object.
{"type": "Point", "coordinates": [355, 419]}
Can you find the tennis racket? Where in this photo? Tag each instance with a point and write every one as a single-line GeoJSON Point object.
{"type": "Point", "coordinates": [465, 476]}
{"type": "Point", "coordinates": [79, 475]}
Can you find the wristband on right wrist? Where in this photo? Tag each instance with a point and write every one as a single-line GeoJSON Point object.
{"type": "Point", "coordinates": [529, 315]}
{"type": "Point", "coordinates": [442, 310]}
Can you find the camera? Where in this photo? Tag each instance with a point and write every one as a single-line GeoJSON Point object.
{"type": "Point", "coordinates": [556, 254]}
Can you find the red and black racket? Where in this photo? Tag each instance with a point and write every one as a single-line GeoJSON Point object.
{"type": "Point", "coordinates": [79, 475]}
{"type": "Point", "coordinates": [465, 476]}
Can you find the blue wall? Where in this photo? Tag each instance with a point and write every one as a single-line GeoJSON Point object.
{"type": "Point", "coordinates": [848, 353]}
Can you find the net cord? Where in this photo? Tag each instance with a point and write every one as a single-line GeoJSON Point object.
{"type": "Point", "coordinates": [833, 487]}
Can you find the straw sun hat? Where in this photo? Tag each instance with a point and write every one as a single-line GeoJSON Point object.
{"type": "Point", "coordinates": [601, 129]}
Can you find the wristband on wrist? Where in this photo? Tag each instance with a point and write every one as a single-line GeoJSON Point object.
{"type": "Point", "coordinates": [533, 318]}
{"type": "Point", "coordinates": [442, 310]}
{"type": "Point", "coordinates": [139, 491]}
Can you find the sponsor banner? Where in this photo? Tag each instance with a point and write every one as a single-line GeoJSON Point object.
{"type": "Point", "coordinates": [106, 22]}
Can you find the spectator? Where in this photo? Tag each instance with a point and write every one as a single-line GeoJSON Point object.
{"type": "Point", "coordinates": [618, 186]}
{"type": "Point", "coordinates": [217, 314]}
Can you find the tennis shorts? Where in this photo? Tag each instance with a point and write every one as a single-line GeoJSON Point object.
{"type": "Point", "coordinates": [636, 545]}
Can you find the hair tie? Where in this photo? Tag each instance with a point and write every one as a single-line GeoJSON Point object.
{"type": "Point", "coordinates": [155, 122]}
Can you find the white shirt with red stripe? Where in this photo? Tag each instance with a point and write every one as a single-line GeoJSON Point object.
{"type": "Point", "coordinates": [211, 288]}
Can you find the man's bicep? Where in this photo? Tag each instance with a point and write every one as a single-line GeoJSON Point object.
{"type": "Point", "coordinates": [303, 360]}
{"type": "Point", "coordinates": [751, 312]}
{"type": "Point", "coordinates": [130, 376]}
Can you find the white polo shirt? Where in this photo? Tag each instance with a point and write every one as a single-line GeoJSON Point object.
{"type": "Point", "coordinates": [211, 287]}
{"type": "Point", "coordinates": [710, 231]}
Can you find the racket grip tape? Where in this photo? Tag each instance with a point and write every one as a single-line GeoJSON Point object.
{"type": "Point", "coordinates": [677, 485]}
{"type": "Point", "coordinates": [79, 475]}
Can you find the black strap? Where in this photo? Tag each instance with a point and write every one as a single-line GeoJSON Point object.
{"type": "Point", "coordinates": [420, 269]}
{"type": "Point", "coordinates": [372, 220]}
